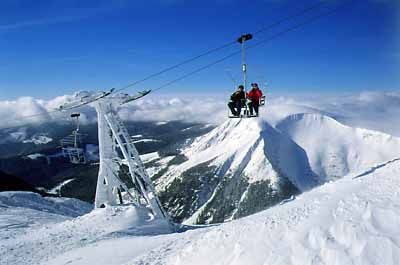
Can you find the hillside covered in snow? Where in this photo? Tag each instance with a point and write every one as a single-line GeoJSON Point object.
{"type": "Point", "coordinates": [247, 165]}
{"type": "Point", "coordinates": [241, 167]}
{"type": "Point", "coordinates": [353, 220]}
{"type": "Point", "coordinates": [304, 189]}
{"type": "Point", "coordinates": [334, 149]}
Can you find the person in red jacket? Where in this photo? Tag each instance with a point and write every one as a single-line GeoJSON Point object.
{"type": "Point", "coordinates": [254, 95]}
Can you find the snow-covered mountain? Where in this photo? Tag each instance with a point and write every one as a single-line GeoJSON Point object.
{"type": "Point", "coordinates": [353, 220]}
{"type": "Point", "coordinates": [334, 149]}
{"type": "Point", "coordinates": [41, 164]}
{"type": "Point", "coordinates": [241, 167]}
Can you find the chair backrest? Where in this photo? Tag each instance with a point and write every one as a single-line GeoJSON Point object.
{"type": "Point", "coordinates": [262, 101]}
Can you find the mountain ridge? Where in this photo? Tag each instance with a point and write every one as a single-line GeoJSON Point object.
{"type": "Point", "coordinates": [245, 168]}
{"type": "Point", "coordinates": [335, 149]}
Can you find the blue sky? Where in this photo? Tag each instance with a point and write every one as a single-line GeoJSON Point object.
{"type": "Point", "coordinates": [54, 47]}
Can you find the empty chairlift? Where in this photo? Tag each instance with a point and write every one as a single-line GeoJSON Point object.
{"type": "Point", "coordinates": [72, 146]}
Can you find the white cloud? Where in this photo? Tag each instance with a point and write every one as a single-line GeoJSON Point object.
{"type": "Point", "coordinates": [372, 110]}
{"type": "Point", "coordinates": [197, 110]}
{"type": "Point", "coordinates": [27, 110]}
{"type": "Point", "coordinates": [11, 112]}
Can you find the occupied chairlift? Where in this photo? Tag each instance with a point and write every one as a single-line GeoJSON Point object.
{"type": "Point", "coordinates": [72, 144]}
{"type": "Point", "coordinates": [245, 113]}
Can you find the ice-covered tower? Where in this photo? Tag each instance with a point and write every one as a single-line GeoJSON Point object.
{"type": "Point", "coordinates": [122, 176]}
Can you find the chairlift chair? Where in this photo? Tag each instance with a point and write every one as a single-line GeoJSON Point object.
{"type": "Point", "coordinates": [263, 98]}
{"type": "Point", "coordinates": [262, 101]}
{"type": "Point", "coordinates": [244, 112]}
{"type": "Point", "coordinates": [72, 144]}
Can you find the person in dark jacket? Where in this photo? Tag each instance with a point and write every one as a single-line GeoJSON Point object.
{"type": "Point", "coordinates": [254, 96]}
{"type": "Point", "coordinates": [238, 100]}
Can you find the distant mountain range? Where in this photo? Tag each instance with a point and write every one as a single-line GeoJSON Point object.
{"type": "Point", "coordinates": [41, 164]}
{"type": "Point", "coordinates": [208, 174]}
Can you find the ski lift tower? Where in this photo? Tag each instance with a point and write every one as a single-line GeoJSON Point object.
{"type": "Point", "coordinates": [118, 155]}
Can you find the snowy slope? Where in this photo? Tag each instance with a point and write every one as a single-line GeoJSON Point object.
{"type": "Point", "coordinates": [334, 149]}
{"type": "Point", "coordinates": [254, 147]}
{"type": "Point", "coordinates": [21, 213]}
{"type": "Point", "coordinates": [35, 229]}
{"type": "Point", "coordinates": [241, 167]}
{"type": "Point", "coordinates": [354, 220]}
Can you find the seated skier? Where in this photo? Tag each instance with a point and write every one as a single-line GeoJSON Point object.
{"type": "Point", "coordinates": [254, 96]}
{"type": "Point", "coordinates": [238, 99]}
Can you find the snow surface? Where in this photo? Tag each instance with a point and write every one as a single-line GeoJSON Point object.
{"type": "Point", "coordinates": [334, 149]}
{"type": "Point", "coordinates": [189, 128]}
{"type": "Point", "coordinates": [35, 229]}
{"type": "Point", "coordinates": [56, 189]}
{"type": "Point", "coordinates": [353, 220]}
{"type": "Point", "coordinates": [149, 157]}
{"type": "Point", "coordinates": [159, 165]}
{"type": "Point", "coordinates": [248, 152]}
{"type": "Point", "coordinates": [35, 156]}
{"type": "Point", "coordinates": [161, 123]}
{"type": "Point", "coordinates": [251, 146]}
{"type": "Point", "coordinates": [18, 136]}
{"type": "Point", "coordinates": [14, 137]}
{"type": "Point", "coordinates": [145, 141]}
{"type": "Point", "coordinates": [39, 139]}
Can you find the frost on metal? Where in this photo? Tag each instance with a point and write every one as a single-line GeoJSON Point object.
{"type": "Point", "coordinates": [122, 177]}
